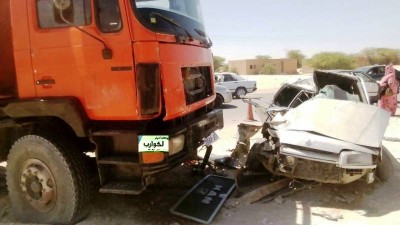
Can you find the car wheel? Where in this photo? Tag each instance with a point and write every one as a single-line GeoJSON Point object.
{"type": "Point", "coordinates": [384, 169]}
{"type": "Point", "coordinates": [47, 180]}
{"type": "Point", "coordinates": [240, 91]}
{"type": "Point", "coordinates": [219, 100]}
{"type": "Point", "coordinates": [252, 163]}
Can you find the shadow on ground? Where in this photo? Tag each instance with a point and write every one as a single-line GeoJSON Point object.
{"type": "Point", "coordinates": [228, 106]}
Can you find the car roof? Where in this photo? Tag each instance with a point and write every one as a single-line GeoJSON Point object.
{"type": "Point", "coordinates": [222, 73]}
{"type": "Point", "coordinates": [369, 67]}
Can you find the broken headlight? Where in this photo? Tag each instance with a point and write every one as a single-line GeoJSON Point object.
{"type": "Point", "coordinates": [352, 159]}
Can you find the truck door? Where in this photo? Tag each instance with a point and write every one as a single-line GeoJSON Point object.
{"type": "Point", "coordinates": [68, 61]}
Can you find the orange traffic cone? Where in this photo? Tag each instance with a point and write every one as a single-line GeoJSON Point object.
{"type": "Point", "coordinates": [250, 112]}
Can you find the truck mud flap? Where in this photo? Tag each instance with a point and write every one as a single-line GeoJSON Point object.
{"type": "Point", "coordinates": [204, 200]}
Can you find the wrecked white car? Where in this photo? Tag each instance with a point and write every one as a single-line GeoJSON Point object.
{"type": "Point", "coordinates": [333, 137]}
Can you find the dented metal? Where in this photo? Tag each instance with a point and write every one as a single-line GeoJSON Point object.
{"type": "Point", "coordinates": [334, 137]}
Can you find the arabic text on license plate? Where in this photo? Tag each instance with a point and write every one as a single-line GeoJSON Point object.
{"type": "Point", "coordinates": [210, 139]}
{"type": "Point", "coordinates": [153, 143]}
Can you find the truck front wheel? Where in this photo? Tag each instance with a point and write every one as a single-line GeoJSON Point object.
{"type": "Point", "coordinates": [47, 182]}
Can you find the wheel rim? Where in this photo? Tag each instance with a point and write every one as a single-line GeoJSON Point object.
{"type": "Point", "coordinates": [38, 185]}
{"type": "Point", "coordinates": [241, 92]}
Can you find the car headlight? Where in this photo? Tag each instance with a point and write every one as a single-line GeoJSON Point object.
{"type": "Point", "coordinates": [349, 159]}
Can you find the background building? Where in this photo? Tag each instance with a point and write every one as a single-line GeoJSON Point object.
{"type": "Point", "coordinates": [253, 66]}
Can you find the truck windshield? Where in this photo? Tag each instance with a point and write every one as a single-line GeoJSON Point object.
{"type": "Point", "coordinates": [186, 14]}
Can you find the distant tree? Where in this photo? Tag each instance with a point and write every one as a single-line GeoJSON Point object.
{"type": "Point", "coordinates": [381, 55]}
{"type": "Point", "coordinates": [233, 70]}
{"type": "Point", "coordinates": [298, 55]}
{"type": "Point", "coordinates": [263, 57]}
{"type": "Point", "coordinates": [225, 67]}
{"type": "Point", "coordinates": [332, 60]}
{"type": "Point", "coordinates": [268, 69]}
{"type": "Point", "coordinates": [219, 63]}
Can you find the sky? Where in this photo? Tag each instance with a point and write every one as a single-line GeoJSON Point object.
{"type": "Point", "coordinates": [244, 29]}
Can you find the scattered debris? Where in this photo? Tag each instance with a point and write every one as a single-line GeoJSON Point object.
{"type": "Point", "coordinates": [278, 200]}
{"type": "Point", "coordinates": [203, 201]}
{"type": "Point", "coordinates": [345, 198]}
{"type": "Point", "coordinates": [259, 193]}
{"type": "Point", "coordinates": [332, 215]}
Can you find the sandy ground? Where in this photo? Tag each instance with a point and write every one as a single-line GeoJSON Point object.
{"type": "Point", "coordinates": [355, 203]}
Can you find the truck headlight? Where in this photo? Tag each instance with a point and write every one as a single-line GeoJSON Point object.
{"type": "Point", "coordinates": [176, 144]}
{"type": "Point", "coordinates": [353, 159]}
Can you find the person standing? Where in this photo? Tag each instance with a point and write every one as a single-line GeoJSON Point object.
{"type": "Point", "coordinates": [388, 99]}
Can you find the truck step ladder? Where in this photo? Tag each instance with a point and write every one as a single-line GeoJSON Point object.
{"type": "Point", "coordinates": [123, 187]}
{"type": "Point", "coordinates": [118, 160]}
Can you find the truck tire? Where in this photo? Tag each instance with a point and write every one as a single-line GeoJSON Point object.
{"type": "Point", "coordinates": [47, 181]}
{"type": "Point", "coordinates": [384, 169]}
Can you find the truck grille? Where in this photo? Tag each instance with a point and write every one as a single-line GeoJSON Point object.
{"type": "Point", "coordinates": [197, 83]}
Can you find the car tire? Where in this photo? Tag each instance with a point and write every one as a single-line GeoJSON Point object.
{"type": "Point", "coordinates": [219, 100]}
{"type": "Point", "coordinates": [384, 169]}
{"type": "Point", "coordinates": [252, 162]}
{"type": "Point", "coordinates": [47, 180]}
{"type": "Point", "coordinates": [240, 91]}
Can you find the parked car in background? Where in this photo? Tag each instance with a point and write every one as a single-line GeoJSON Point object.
{"type": "Point", "coordinates": [224, 95]}
{"type": "Point", "coordinates": [376, 72]}
{"type": "Point", "coordinates": [371, 85]}
{"type": "Point", "coordinates": [236, 84]}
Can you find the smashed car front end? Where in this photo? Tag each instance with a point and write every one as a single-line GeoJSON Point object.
{"type": "Point", "coordinates": [335, 137]}
{"type": "Point", "coordinates": [310, 156]}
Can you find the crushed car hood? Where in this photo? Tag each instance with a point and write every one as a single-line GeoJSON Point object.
{"type": "Point", "coordinates": [350, 121]}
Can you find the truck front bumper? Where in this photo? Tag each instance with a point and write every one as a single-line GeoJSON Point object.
{"type": "Point", "coordinates": [194, 132]}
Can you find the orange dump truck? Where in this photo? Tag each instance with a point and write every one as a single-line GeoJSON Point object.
{"type": "Point", "coordinates": [128, 80]}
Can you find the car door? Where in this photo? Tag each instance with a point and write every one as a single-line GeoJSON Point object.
{"type": "Point", "coordinates": [371, 85]}
{"type": "Point", "coordinates": [230, 82]}
{"type": "Point", "coordinates": [374, 73]}
{"type": "Point", "coordinates": [69, 62]}
{"type": "Point", "coordinates": [381, 71]}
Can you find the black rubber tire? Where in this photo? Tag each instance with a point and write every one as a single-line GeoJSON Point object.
{"type": "Point", "coordinates": [384, 169]}
{"type": "Point", "coordinates": [252, 162]}
{"type": "Point", "coordinates": [219, 100]}
{"type": "Point", "coordinates": [238, 90]}
{"type": "Point", "coordinates": [70, 173]}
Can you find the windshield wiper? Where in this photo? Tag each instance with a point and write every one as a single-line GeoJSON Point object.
{"type": "Point", "coordinates": [173, 22]}
{"type": "Point", "coordinates": [203, 34]}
